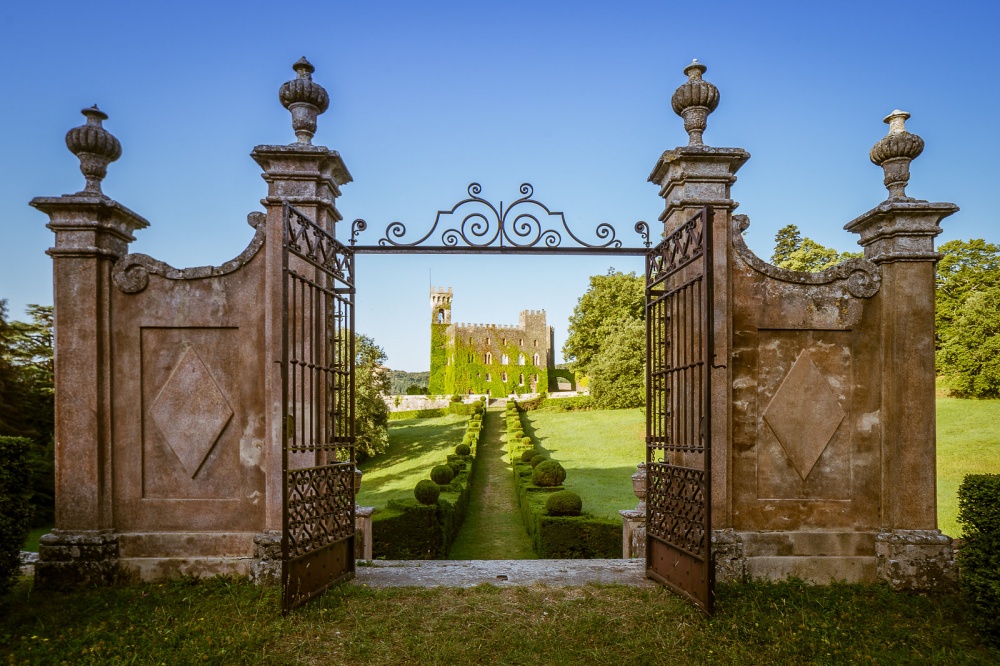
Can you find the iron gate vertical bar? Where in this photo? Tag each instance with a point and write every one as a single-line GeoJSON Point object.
{"type": "Point", "coordinates": [679, 358]}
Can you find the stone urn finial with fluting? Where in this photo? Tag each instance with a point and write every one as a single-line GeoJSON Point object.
{"type": "Point", "coordinates": [639, 486]}
{"type": "Point", "coordinates": [95, 147]}
{"type": "Point", "coordinates": [305, 99]}
{"type": "Point", "coordinates": [894, 152]}
{"type": "Point", "coordinates": [694, 100]}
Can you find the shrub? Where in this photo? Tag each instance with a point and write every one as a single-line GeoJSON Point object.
{"type": "Point", "coordinates": [548, 473]}
{"type": "Point", "coordinates": [463, 450]}
{"type": "Point", "coordinates": [528, 455]}
{"type": "Point", "coordinates": [427, 492]}
{"type": "Point", "coordinates": [456, 466]}
{"type": "Point", "coordinates": [456, 398]}
{"type": "Point", "coordinates": [526, 441]}
{"type": "Point", "coordinates": [442, 474]}
{"type": "Point", "coordinates": [979, 558]}
{"type": "Point", "coordinates": [538, 459]}
{"type": "Point", "coordinates": [518, 434]}
{"type": "Point", "coordinates": [564, 503]}
{"type": "Point", "coordinates": [15, 506]}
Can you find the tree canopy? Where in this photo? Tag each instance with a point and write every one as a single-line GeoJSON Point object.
{"type": "Point", "coordinates": [372, 383]}
{"type": "Point", "coordinates": [797, 253]}
{"type": "Point", "coordinates": [606, 339]}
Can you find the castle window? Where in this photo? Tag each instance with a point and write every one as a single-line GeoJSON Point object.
{"type": "Point", "coordinates": [440, 316]}
{"type": "Point", "coordinates": [488, 378]}
{"type": "Point", "coordinates": [470, 338]}
{"type": "Point", "coordinates": [489, 358]}
{"type": "Point", "coordinates": [520, 342]}
{"type": "Point", "coordinates": [520, 359]}
{"type": "Point", "coordinates": [505, 360]}
{"type": "Point", "coordinates": [505, 341]}
{"type": "Point", "coordinates": [522, 379]}
{"type": "Point", "coordinates": [535, 359]}
{"type": "Point", "coordinates": [536, 377]}
{"type": "Point", "coordinates": [503, 376]}
{"type": "Point", "coordinates": [536, 342]}
{"type": "Point", "coordinates": [487, 341]}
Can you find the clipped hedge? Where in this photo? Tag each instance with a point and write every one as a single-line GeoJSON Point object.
{"type": "Point", "coordinates": [417, 414]}
{"type": "Point", "coordinates": [979, 557]}
{"type": "Point", "coordinates": [15, 506]}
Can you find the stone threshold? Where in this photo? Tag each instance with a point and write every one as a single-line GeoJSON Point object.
{"type": "Point", "coordinates": [502, 573]}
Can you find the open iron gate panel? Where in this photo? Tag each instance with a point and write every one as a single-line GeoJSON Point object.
{"type": "Point", "coordinates": [678, 411]}
{"type": "Point", "coordinates": [318, 455]}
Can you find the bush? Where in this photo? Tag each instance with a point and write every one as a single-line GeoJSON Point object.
{"type": "Point", "coordinates": [15, 506]}
{"type": "Point", "coordinates": [538, 459]}
{"type": "Point", "coordinates": [548, 473]}
{"type": "Point", "coordinates": [456, 398]}
{"type": "Point", "coordinates": [463, 450]}
{"type": "Point", "coordinates": [564, 503]}
{"type": "Point", "coordinates": [526, 441]}
{"type": "Point", "coordinates": [427, 492]}
{"type": "Point", "coordinates": [575, 404]}
{"type": "Point", "coordinates": [979, 558]}
{"type": "Point", "coordinates": [528, 455]}
{"type": "Point", "coordinates": [518, 434]}
{"type": "Point", "coordinates": [456, 466]}
{"type": "Point", "coordinates": [442, 474]}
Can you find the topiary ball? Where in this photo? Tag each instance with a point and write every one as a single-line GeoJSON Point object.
{"type": "Point", "coordinates": [548, 473]}
{"type": "Point", "coordinates": [427, 492]}
{"type": "Point", "coordinates": [526, 441]}
{"type": "Point", "coordinates": [442, 474]}
{"type": "Point", "coordinates": [519, 434]}
{"type": "Point", "coordinates": [564, 503]}
{"type": "Point", "coordinates": [456, 466]}
{"type": "Point", "coordinates": [537, 459]}
{"type": "Point", "coordinates": [463, 450]}
{"type": "Point", "coordinates": [528, 455]}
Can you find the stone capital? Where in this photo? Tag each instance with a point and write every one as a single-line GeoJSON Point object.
{"type": "Point", "coordinates": [901, 230]}
{"type": "Point", "coordinates": [696, 176]}
{"type": "Point", "coordinates": [89, 225]}
{"type": "Point", "coordinates": [303, 175]}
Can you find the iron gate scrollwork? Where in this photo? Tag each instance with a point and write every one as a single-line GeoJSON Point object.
{"type": "Point", "coordinates": [318, 454]}
{"type": "Point", "coordinates": [679, 328]}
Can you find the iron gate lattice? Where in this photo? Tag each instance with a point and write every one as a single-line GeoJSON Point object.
{"type": "Point", "coordinates": [318, 455]}
{"type": "Point", "coordinates": [679, 328]}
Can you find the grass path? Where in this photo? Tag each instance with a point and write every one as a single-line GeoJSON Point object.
{"type": "Point", "coordinates": [492, 529]}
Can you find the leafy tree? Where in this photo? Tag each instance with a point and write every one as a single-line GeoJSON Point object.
{"type": "Point", "coordinates": [966, 267]}
{"type": "Point", "coordinates": [970, 352]}
{"type": "Point", "coordinates": [414, 389]}
{"type": "Point", "coordinates": [371, 385]}
{"type": "Point", "coordinates": [607, 340]}
{"type": "Point", "coordinates": [617, 372]}
{"type": "Point", "coordinates": [796, 253]}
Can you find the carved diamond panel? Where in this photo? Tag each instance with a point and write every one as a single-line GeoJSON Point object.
{"type": "Point", "coordinates": [804, 414]}
{"type": "Point", "coordinates": [190, 411]}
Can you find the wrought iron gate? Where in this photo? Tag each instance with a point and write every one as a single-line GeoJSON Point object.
{"type": "Point", "coordinates": [678, 415]}
{"type": "Point", "coordinates": [318, 456]}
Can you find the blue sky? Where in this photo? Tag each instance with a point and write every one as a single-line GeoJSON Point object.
{"type": "Point", "coordinates": [428, 97]}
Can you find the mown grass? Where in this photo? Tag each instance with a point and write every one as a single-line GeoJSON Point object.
{"type": "Point", "coordinates": [415, 446]}
{"type": "Point", "coordinates": [968, 442]}
{"type": "Point", "coordinates": [223, 621]}
{"type": "Point", "coordinates": [599, 450]}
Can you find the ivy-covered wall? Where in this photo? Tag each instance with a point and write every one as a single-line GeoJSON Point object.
{"type": "Point", "coordinates": [437, 385]}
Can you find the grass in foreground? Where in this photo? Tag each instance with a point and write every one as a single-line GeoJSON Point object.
{"type": "Point", "coordinates": [968, 442]}
{"type": "Point", "coordinates": [599, 449]}
{"type": "Point", "coordinates": [230, 621]}
{"type": "Point", "coordinates": [415, 446]}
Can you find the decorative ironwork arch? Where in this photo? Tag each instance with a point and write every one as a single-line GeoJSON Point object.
{"type": "Point", "coordinates": [487, 228]}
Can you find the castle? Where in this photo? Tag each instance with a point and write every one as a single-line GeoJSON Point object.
{"type": "Point", "coordinates": [488, 359]}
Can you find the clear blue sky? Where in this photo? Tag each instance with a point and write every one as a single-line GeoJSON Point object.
{"type": "Point", "coordinates": [429, 96]}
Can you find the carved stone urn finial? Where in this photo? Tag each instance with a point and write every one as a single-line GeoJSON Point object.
{"type": "Point", "coordinates": [95, 147]}
{"type": "Point", "coordinates": [894, 152]}
{"type": "Point", "coordinates": [639, 486]}
{"type": "Point", "coordinates": [694, 100]}
{"type": "Point", "coordinates": [305, 98]}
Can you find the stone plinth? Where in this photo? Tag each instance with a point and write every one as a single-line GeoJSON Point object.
{"type": "Point", "coordinates": [633, 533]}
{"type": "Point", "coordinates": [73, 559]}
{"type": "Point", "coordinates": [266, 566]}
{"type": "Point", "coordinates": [363, 530]}
{"type": "Point", "coordinates": [916, 560]}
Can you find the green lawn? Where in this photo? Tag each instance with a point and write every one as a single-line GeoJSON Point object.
{"type": "Point", "coordinates": [231, 621]}
{"type": "Point", "coordinates": [415, 446]}
{"type": "Point", "coordinates": [968, 442]}
{"type": "Point", "coordinates": [600, 451]}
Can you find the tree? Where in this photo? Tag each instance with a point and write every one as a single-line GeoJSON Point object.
{"type": "Point", "coordinates": [617, 373]}
{"type": "Point", "coordinates": [796, 253]}
{"type": "Point", "coordinates": [969, 356]}
{"type": "Point", "coordinates": [607, 339]}
{"type": "Point", "coordinates": [966, 267]}
{"type": "Point", "coordinates": [371, 384]}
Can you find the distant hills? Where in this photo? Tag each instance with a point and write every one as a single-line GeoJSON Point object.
{"type": "Point", "coordinates": [402, 380]}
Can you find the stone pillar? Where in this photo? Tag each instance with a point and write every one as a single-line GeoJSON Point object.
{"type": "Point", "coordinates": [363, 528]}
{"type": "Point", "coordinates": [309, 178]}
{"type": "Point", "coordinates": [91, 232]}
{"type": "Point", "coordinates": [690, 178]}
{"type": "Point", "coordinates": [898, 235]}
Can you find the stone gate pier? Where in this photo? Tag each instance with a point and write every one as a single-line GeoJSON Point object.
{"type": "Point", "coordinates": [823, 410]}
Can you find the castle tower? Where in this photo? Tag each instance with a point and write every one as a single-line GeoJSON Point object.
{"type": "Point", "coordinates": [441, 305]}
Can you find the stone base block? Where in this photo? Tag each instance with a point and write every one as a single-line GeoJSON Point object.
{"type": "Point", "coordinates": [633, 534]}
{"type": "Point", "coordinates": [162, 568]}
{"type": "Point", "coordinates": [917, 560]}
{"type": "Point", "coordinates": [814, 569]}
{"type": "Point", "coordinates": [265, 568]}
{"type": "Point", "coordinates": [730, 560]}
{"type": "Point", "coordinates": [363, 537]}
{"type": "Point", "coordinates": [74, 559]}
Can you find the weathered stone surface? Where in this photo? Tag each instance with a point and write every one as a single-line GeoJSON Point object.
{"type": "Point", "coordinates": [74, 559]}
{"type": "Point", "coordinates": [728, 556]}
{"type": "Point", "coordinates": [502, 573]}
{"type": "Point", "coordinates": [917, 560]}
{"type": "Point", "coordinates": [265, 569]}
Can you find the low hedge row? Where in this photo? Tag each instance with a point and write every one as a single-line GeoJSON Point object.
{"type": "Point", "coordinates": [15, 506]}
{"type": "Point", "coordinates": [409, 530]}
{"type": "Point", "coordinates": [418, 414]}
{"type": "Point", "coordinates": [979, 557]}
{"type": "Point", "coordinates": [557, 537]}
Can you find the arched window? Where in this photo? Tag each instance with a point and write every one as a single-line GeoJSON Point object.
{"type": "Point", "coordinates": [440, 316]}
{"type": "Point", "coordinates": [536, 342]}
{"type": "Point", "coordinates": [489, 358]}
{"type": "Point", "coordinates": [488, 377]}
{"type": "Point", "coordinates": [521, 379]}
{"type": "Point", "coordinates": [505, 360]}
{"type": "Point", "coordinates": [520, 359]}
{"type": "Point", "coordinates": [535, 359]}
{"type": "Point", "coordinates": [503, 376]}
{"type": "Point", "coordinates": [536, 377]}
